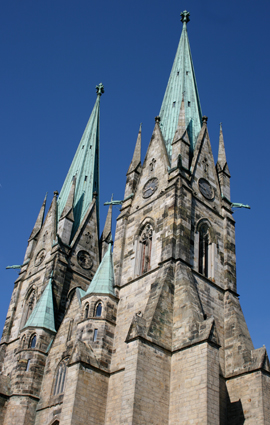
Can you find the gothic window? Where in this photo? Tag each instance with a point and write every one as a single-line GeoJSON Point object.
{"type": "Point", "coordinates": [204, 250]}
{"type": "Point", "coordinates": [99, 310]}
{"type": "Point", "coordinates": [86, 311]}
{"type": "Point", "coordinates": [145, 248]}
{"type": "Point", "coordinates": [33, 341]}
{"type": "Point", "coordinates": [30, 303]}
{"type": "Point", "coordinates": [95, 335]}
{"type": "Point", "coordinates": [60, 377]}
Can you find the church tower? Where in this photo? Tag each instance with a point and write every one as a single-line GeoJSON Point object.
{"type": "Point", "coordinates": [150, 331]}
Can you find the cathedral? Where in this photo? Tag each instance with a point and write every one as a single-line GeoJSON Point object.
{"type": "Point", "coordinates": [145, 329]}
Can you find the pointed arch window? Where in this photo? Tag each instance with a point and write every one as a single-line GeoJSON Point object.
{"type": "Point", "coordinates": [33, 341]}
{"type": "Point", "coordinates": [204, 250]}
{"type": "Point", "coordinates": [86, 311]}
{"type": "Point", "coordinates": [60, 377]}
{"type": "Point", "coordinates": [145, 247]}
{"type": "Point", "coordinates": [99, 309]}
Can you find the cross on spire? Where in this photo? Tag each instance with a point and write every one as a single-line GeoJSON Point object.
{"type": "Point", "coordinates": [100, 89]}
{"type": "Point", "coordinates": [185, 16]}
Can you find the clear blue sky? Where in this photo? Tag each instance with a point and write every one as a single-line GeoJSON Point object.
{"type": "Point", "coordinates": [53, 53]}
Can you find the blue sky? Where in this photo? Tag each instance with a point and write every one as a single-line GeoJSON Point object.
{"type": "Point", "coordinates": [53, 53]}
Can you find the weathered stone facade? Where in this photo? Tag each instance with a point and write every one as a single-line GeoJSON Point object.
{"type": "Point", "coordinates": [168, 343]}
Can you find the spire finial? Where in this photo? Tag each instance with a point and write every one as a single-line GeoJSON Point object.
{"type": "Point", "coordinates": [185, 17]}
{"type": "Point", "coordinates": [100, 89]}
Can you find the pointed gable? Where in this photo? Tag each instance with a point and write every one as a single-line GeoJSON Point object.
{"type": "Point", "coordinates": [43, 314]}
{"type": "Point", "coordinates": [182, 81]}
{"type": "Point", "coordinates": [203, 170]}
{"type": "Point", "coordinates": [39, 221]}
{"type": "Point", "coordinates": [222, 161]}
{"type": "Point", "coordinates": [103, 281]}
{"type": "Point", "coordinates": [154, 169]}
{"type": "Point", "coordinates": [85, 166]}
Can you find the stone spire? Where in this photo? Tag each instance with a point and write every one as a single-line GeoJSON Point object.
{"type": "Point", "coordinates": [182, 82]}
{"type": "Point", "coordinates": [103, 281]}
{"type": "Point", "coordinates": [39, 221]}
{"type": "Point", "coordinates": [222, 168]}
{"type": "Point", "coordinates": [136, 160]}
{"type": "Point", "coordinates": [85, 166]}
{"type": "Point", "coordinates": [43, 314]}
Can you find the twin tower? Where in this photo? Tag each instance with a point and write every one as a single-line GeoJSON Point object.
{"type": "Point", "coordinates": [153, 332]}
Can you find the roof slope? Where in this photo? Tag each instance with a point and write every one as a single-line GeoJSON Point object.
{"type": "Point", "coordinates": [43, 314]}
{"type": "Point", "coordinates": [85, 166]}
{"type": "Point", "coordinates": [181, 84]}
{"type": "Point", "coordinates": [103, 281]}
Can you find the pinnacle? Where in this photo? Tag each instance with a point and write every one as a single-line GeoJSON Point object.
{"type": "Point", "coordinates": [222, 161]}
{"type": "Point", "coordinates": [136, 160]}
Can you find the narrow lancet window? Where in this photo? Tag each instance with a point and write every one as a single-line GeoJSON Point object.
{"type": "Point", "coordinates": [95, 335]}
{"type": "Point", "coordinates": [86, 311]}
{"type": "Point", "coordinates": [33, 341]}
{"type": "Point", "coordinates": [99, 310]}
{"type": "Point", "coordinates": [203, 250]}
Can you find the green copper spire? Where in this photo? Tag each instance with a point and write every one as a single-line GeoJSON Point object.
{"type": "Point", "coordinates": [85, 166]}
{"type": "Point", "coordinates": [43, 314]}
{"type": "Point", "coordinates": [103, 281]}
{"type": "Point", "coordinates": [181, 84]}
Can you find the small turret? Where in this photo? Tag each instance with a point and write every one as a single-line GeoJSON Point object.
{"type": "Point", "coordinates": [43, 314]}
{"type": "Point", "coordinates": [223, 169]}
{"type": "Point", "coordinates": [99, 307]}
{"type": "Point", "coordinates": [134, 170]}
{"type": "Point", "coordinates": [35, 340]}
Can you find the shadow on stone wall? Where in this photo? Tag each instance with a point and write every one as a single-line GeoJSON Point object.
{"type": "Point", "coordinates": [235, 413]}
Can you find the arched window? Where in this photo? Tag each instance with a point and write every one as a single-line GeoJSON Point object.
{"type": "Point", "coordinates": [99, 310]}
{"type": "Point", "coordinates": [23, 341]}
{"type": "Point", "coordinates": [86, 311]}
{"type": "Point", "coordinates": [145, 248]}
{"type": "Point", "coordinates": [33, 341]}
{"type": "Point", "coordinates": [29, 305]}
{"type": "Point", "coordinates": [204, 250]}
{"type": "Point", "coordinates": [60, 377]}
